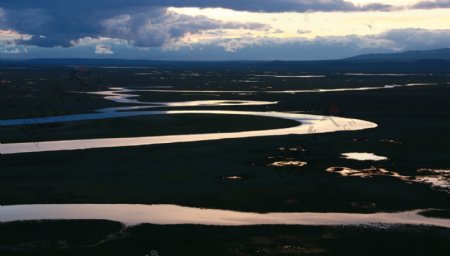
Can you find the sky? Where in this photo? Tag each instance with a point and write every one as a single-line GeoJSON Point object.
{"type": "Point", "coordinates": [220, 30]}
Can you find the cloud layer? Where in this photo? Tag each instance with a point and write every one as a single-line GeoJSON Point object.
{"type": "Point", "coordinates": [390, 41]}
{"type": "Point", "coordinates": [248, 5]}
{"type": "Point", "coordinates": [147, 23]}
{"type": "Point", "coordinates": [106, 25]}
{"type": "Point", "coordinates": [143, 27]}
{"type": "Point", "coordinates": [432, 4]}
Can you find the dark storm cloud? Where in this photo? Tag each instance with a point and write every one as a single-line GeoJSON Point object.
{"type": "Point", "coordinates": [145, 23]}
{"type": "Point", "coordinates": [432, 4]}
{"type": "Point", "coordinates": [247, 5]}
{"type": "Point", "coordinates": [161, 27]}
{"type": "Point", "coordinates": [141, 25]}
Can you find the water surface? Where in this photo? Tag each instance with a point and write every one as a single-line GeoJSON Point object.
{"type": "Point", "coordinates": [133, 214]}
{"type": "Point", "coordinates": [363, 156]}
{"type": "Point", "coordinates": [308, 124]}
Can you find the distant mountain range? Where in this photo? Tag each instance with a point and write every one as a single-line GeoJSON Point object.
{"type": "Point", "coordinates": [410, 61]}
{"type": "Point", "coordinates": [438, 54]}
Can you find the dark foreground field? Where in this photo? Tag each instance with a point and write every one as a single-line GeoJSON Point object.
{"type": "Point", "coordinates": [413, 133]}
{"type": "Point", "coordinates": [109, 238]}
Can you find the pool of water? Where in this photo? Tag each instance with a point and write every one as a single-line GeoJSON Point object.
{"type": "Point", "coordinates": [363, 156]}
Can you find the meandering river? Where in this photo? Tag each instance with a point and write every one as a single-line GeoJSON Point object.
{"type": "Point", "coordinates": [134, 214]}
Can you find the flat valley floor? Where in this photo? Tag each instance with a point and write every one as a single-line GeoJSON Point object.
{"type": "Point", "coordinates": [268, 174]}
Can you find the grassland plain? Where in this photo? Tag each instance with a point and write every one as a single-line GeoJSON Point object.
{"type": "Point", "coordinates": [412, 133]}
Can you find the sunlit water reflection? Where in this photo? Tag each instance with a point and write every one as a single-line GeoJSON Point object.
{"type": "Point", "coordinates": [319, 90]}
{"type": "Point", "coordinates": [132, 214]}
{"type": "Point", "coordinates": [122, 95]}
{"type": "Point", "coordinates": [437, 179]}
{"type": "Point", "coordinates": [363, 156]}
{"type": "Point", "coordinates": [308, 124]}
{"type": "Point", "coordinates": [288, 163]}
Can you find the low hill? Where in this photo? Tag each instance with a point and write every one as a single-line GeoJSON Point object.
{"type": "Point", "coordinates": [409, 56]}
